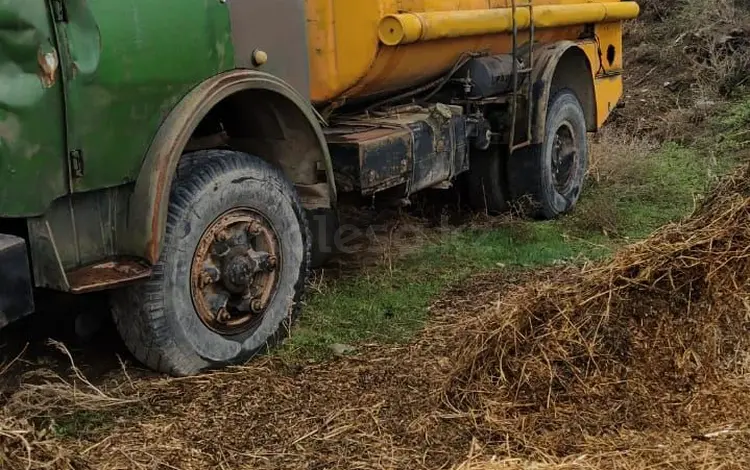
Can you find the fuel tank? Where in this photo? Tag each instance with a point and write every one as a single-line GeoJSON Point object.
{"type": "Point", "coordinates": [361, 48]}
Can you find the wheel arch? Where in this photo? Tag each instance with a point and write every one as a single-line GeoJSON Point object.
{"type": "Point", "coordinates": [561, 65]}
{"type": "Point", "coordinates": [246, 104]}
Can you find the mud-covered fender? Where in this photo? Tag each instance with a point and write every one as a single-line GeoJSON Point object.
{"type": "Point", "coordinates": [150, 199]}
{"type": "Point", "coordinates": [563, 64]}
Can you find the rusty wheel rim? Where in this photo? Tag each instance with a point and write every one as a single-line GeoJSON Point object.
{"type": "Point", "coordinates": [235, 271]}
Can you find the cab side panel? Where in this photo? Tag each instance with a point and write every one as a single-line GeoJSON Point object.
{"type": "Point", "coordinates": [278, 28]}
{"type": "Point", "coordinates": [128, 65]}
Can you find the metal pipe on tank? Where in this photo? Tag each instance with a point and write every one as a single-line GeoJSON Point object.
{"type": "Point", "coordinates": [409, 28]}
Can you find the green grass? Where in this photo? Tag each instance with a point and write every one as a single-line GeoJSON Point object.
{"type": "Point", "coordinates": [659, 187]}
{"type": "Point", "coordinates": [82, 423]}
{"type": "Point", "coordinates": [387, 305]}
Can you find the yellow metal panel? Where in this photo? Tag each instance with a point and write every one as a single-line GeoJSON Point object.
{"type": "Point", "coordinates": [610, 35]}
{"type": "Point", "coordinates": [343, 43]}
{"type": "Point", "coordinates": [403, 66]}
{"type": "Point", "coordinates": [608, 92]}
{"type": "Point", "coordinates": [608, 86]}
{"type": "Point", "coordinates": [348, 59]}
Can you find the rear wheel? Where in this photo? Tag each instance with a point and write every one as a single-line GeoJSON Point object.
{"type": "Point", "coordinates": [487, 185]}
{"type": "Point", "coordinates": [232, 271]}
{"type": "Point", "coordinates": [548, 178]}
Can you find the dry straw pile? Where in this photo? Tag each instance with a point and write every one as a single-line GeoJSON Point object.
{"type": "Point", "coordinates": [655, 339]}
{"type": "Point", "coordinates": [24, 447]}
{"type": "Point", "coordinates": [29, 438]}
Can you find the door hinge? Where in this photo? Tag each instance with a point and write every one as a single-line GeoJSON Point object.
{"type": "Point", "coordinates": [76, 163]}
{"type": "Point", "coordinates": [59, 11]}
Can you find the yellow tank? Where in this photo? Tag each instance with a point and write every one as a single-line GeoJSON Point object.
{"type": "Point", "coordinates": [360, 48]}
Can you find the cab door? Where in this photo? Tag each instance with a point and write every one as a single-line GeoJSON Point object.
{"type": "Point", "coordinates": [32, 119]}
{"type": "Point", "coordinates": [126, 64]}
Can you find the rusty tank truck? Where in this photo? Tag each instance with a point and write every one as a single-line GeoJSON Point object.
{"type": "Point", "coordinates": [174, 153]}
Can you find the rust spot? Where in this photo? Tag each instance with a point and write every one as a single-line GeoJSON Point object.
{"type": "Point", "coordinates": [10, 129]}
{"type": "Point", "coordinates": [162, 179]}
{"type": "Point", "coordinates": [31, 151]}
{"type": "Point", "coordinates": [48, 64]}
{"type": "Point", "coordinates": [107, 275]}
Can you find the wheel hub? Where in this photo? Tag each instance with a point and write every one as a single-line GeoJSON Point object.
{"type": "Point", "coordinates": [234, 272]}
{"type": "Point", "coordinates": [564, 156]}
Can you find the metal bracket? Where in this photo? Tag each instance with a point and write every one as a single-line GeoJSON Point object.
{"type": "Point", "coordinates": [527, 70]}
{"type": "Point", "coordinates": [76, 163]}
{"type": "Point", "coordinates": [59, 11]}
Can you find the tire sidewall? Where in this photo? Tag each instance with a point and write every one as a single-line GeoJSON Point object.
{"type": "Point", "coordinates": [268, 194]}
{"type": "Point", "coordinates": [565, 106]}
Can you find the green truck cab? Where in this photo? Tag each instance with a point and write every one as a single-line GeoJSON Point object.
{"type": "Point", "coordinates": [169, 152]}
{"type": "Point", "coordinates": [104, 106]}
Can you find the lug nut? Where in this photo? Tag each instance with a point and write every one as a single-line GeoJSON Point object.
{"type": "Point", "coordinates": [272, 262]}
{"type": "Point", "coordinates": [256, 305]}
{"type": "Point", "coordinates": [205, 279]}
{"type": "Point", "coordinates": [253, 228]}
{"type": "Point", "coordinates": [222, 236]}
{"type": "Point", "coordinates": [223, 315]}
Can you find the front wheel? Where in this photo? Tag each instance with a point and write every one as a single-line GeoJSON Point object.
{"type": "Point", "coordinates": [549, 177]}
{"type": "Point", "coordinates": [232, 271]}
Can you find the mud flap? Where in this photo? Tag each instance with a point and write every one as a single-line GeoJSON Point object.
{"type": "Point", "coordinates": [16, 295]}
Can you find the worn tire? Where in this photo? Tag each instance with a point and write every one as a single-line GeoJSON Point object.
{"type": "Point", "coordinates": [487, 181]}
{"type": "Point", "coordinates": [157, 319]}
{"type": "Point", "coordinates": [531, 170]}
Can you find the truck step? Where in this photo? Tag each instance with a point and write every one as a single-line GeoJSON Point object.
{"type": "Point", "coordinates": [107, 275]}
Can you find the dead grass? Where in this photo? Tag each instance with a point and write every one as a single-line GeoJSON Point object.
{"type": "Point", "coordinates": [704, 41]}
{"type": "Point", "coordinates": [618, 157]}
{"type": "Point", "coordinates": [683, 57]}
{"type": "Point", "coordinates": [654, 339]}
{"type": "Point", "coordinates": [725, 449]}
{"type": "Point", "coordinates": [30, 438]}
{"type": "Point", "coordinates": [24, 447]}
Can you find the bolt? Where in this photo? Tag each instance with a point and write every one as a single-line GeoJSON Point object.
{"type": "Point", "coordinates": [223, 315]}
{"type": "Point", "coordinates": [259, 57]}
{"type": "Point", "coordinates": [272, 262]}
{"type": "Point", "coordinates": [205, 279]}
{"type": "Point", "coordinates": [256, 305]}
{"type": "Point", "coordinates": [222, 236]}
{"type": "Point", "coordinates": [253, 228]}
